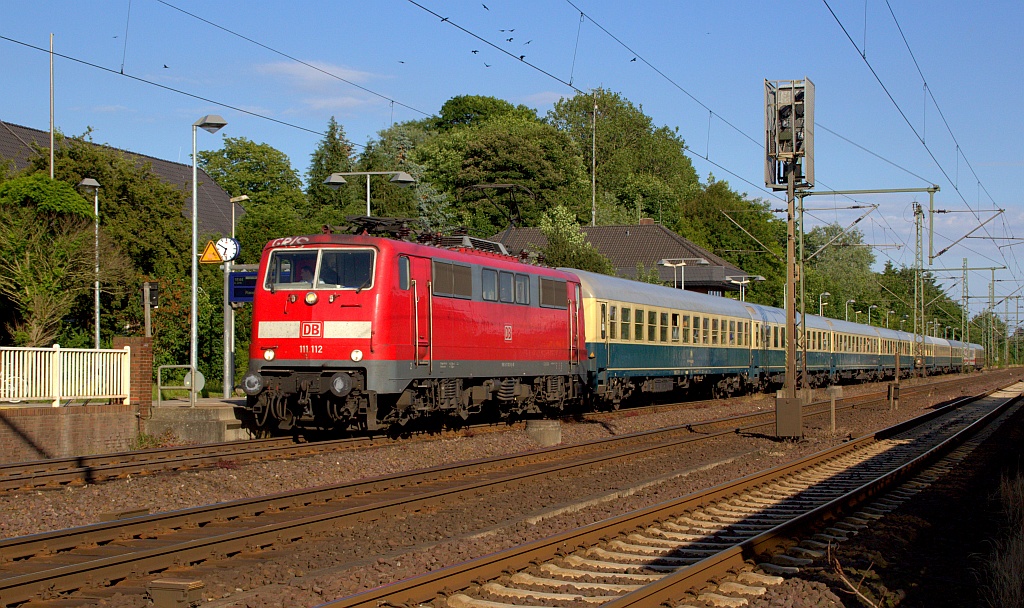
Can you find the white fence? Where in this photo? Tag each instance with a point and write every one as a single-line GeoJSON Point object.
{"type": "Point", "coordinates": [64, 375]}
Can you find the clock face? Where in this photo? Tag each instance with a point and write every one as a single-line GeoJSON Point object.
{"type": "Point", "coordinates": [227, 248]}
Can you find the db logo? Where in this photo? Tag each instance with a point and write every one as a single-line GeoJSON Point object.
{"type": "Point", "coordinates": [311, 330]}
{"type": "Point", "coordinates": [508, 333]}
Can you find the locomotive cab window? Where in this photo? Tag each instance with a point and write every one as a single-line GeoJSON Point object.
{"type": "Point", "coordinates": [324, 269]}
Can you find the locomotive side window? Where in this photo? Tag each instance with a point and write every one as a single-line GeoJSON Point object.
{"type": "Point", "coordinates": [612, 323]}
{"type": "Point", "coordinates": [625, 323]}
{"type": "Point", "coordinates": [489, 285]}
{"type": "Point", "coordinates": [638, 319]}
{"type": "Point", "coordinates": [403, 272]}
{"type": "Point", "coordinates": [552, 293]}
{"type": "Point", "coordinates": [522, 289]}
{"type": "Point", "coordinates": [453, 280]}
{"type": "Point", "coordinates": [506, 287]}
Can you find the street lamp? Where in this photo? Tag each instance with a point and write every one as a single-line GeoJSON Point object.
{"type": "Point", "coordinates": [211, 123]}
{"type": "Point", "coordinates": [891, 312]}
{"type": "Point", "coordinates": [869, 312]}
{"type": "Point", "coordinates": [401, 179]}
{"type": "Point", "coordinates": [821, 304]}
{"type": "Point", "coordinates": [681, 263]}
{"type": "Point", "coordinates": [95, 185]}
{"type": "Point", "coordinates": [229, 312]}
{"type": "Point", "coordinates": [903, 320]}
{"type": "Point", "coordinates": [856, 316]}
{"type": "Point", "coordinates": [848, 302]}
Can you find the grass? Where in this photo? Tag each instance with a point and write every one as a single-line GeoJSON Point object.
{"type": "Point", "coordinates": [1004, 569]}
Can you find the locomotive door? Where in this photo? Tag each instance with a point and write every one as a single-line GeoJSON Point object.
{"type": "Point", "coordinates": [421, 286]}
{"type": "Point", "coordinates": [574, 325]}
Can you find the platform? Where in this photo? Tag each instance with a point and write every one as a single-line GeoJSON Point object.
{"type": "Point", "coordinates": [212, 420]}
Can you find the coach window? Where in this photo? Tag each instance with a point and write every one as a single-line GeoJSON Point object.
{"type": "Point", "coordinates": [403, 272]}
{"type": "Point", "coordinates": [686, 329]}
{"type": "Point", "coordinates": [638, 319]}
{"type": "Point", "coordinates": [664, 328]}
{"type": "Point", "coordinates": [775, 336]}
{"type": "Point", "coordinates": [652, 326]}
{"type": "Point", "coordinates": [714, 331]}
{"type": "Point", "coordinates": [612, 323]}
{"type": "Point", "coordinates": [489, 285]}
{"type": "Point", "coordinates": [522, 289]}
{"type": "Point", "coordinates": [705, 333]}
{"type": "Point", "coordinates": [626, 320]}
{"type": "Point", "coordinates": [604, 320]}
{"type": "Point", "coordinates": [506, 287]}
{"type": "Point", "coordinates": [675, 327]}
{"type": "Point", "coordinates": [732, 333]}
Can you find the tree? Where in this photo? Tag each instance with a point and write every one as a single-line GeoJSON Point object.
{"type": "Point", "coordinates": [512, 150]}
{"type": "Point", "coordinates": [638, 163]}
{"type": "Point", "coordinates": [472, 110]}
{"type": "Point", "coordinates": [276, 205]}
{"type": "Point", "coordinates": [46, 255]}
{"type": "Point", "coordinates": [328, 205]}
{"type": "Point", "coordinates": [567, 246]}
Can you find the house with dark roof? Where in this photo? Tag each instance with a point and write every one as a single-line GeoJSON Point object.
{"type": "Point", "coordinates": [676, 260]}
{"type": "Point", "coordinates": [214, 204]}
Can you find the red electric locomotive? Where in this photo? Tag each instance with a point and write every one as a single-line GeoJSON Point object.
{"type": "Point", "coordinates": [360, 332]}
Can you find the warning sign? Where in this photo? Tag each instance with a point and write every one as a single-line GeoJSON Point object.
{"type": "Point", "coordinates": [210, 255]}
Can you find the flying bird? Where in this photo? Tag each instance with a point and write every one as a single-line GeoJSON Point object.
{"type": "Point", "coordinates": [487, 65]}
{"type": "Point", "coordinates": [474, 52]}
{"type": "Point", "coordinates": [527, 42]}
{"type": "Point", "coordinates": [400, 61]}
{"type": "Point", "coordinates": [522, 57]}
{"type": "Point", "coordinates": [632, 60]}
{"type": "Point", "coordinates": [165, 66]}
{"type": "Point", "coordinates": [508, 40]}
{"type": "Point", "coordinates": [485, 7]}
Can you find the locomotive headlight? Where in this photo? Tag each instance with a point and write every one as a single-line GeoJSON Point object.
{"type": "Point", "coordinates": [341, 384]}
{"type": "Point", "coordinates": [311, 298]}
{"type": "Point", "coordinates": [252, 384]}
{"type": "Point", "coordinates": [357, 355]}
{"type": "Point", "coordinates": [268, 355]}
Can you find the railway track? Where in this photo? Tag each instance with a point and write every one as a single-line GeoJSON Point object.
{"type": "Point", "coordinates": [92, 556]}
{"type": "Point", "coordinates": [59, 472]}
{"type": "Point", "coordinates": [704, 547]}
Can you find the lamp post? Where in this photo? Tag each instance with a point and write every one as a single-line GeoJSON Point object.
{"type": "Point", "coordinates": [401, 179]}
{"type": "Point", "coordinates": [95, 185]}
{"type": "Point", "coordinates": [211, 123]}
{"type": "Point", "coordinates": [903, 320]}
{"type": "Point", "coordinates": [856, 316]}
{"type": "Point", "coordinates": [229, 312]}
{"type": "Point", "coordinates": [873, 306]}
{"type": "Point", "coordinates": [891, 312]}
{"type": "Point", "coordinates": [821, 303]}
{"type": "Point", "coordinates": [681, 264]}
{"type": "Point", "coordinates": [848, 302]}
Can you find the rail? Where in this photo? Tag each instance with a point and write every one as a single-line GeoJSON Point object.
{"type": "Point", "coordinates": [64, 375]}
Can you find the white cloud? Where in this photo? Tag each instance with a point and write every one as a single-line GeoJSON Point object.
{"type": "Point", "coordinates": [313, 78]}
{"type": "Point", "coordinates": [543, 98]}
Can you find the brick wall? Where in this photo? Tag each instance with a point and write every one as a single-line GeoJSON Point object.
{"type": "Point", "coordinates": [37, 433]}
{"type": "Point", "coordinates": [142, 372]}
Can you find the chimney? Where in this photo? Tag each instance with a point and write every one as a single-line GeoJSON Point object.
{"type": "Point", "coordinates": [647, 221]}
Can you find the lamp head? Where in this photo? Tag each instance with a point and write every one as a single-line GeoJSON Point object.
{"type": "Point", "coordinates": [211, 123]}
{"type": "Point", "coordinates": [335, 180]}
{"type": "Point", "coordinates": [402, 179]}
{"type": "Point", "coordinates": [89, 183]}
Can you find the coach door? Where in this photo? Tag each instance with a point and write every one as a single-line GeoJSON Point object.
{"type": "Point", "coordinates": [421, 286]}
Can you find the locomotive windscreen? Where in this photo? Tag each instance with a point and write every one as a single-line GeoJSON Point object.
{"type": "Point", "coordinates": [320, 268]}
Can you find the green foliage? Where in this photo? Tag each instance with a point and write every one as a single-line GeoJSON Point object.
{"type": "Point", "coordinates": [645, 275]}
{"type": "Point", "coordinates": [567, 246]}
{"type": "Point", "coordinates": [511, 150]}
{"type": "Point", "coordinates": [329, 205]}
{"type": "Point", "coordinates": [471, 110]}
{"type": "Point", "coordinates": [391, 152]}
{"type": "Point", "coordinates": [47, 255]}
{"type": "Point", "coordinates": [643, 166]}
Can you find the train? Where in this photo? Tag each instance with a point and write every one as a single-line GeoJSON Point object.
{"type": "Point", "coordinates": [366, 332]}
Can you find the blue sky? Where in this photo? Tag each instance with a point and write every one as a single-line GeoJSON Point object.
{"type": "Point", "coordinates": [699, 67]}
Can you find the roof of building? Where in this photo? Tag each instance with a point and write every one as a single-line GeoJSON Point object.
{"type": "Point", "coordinates": [214, 204]}
{"type": "Point", "coordinates": [646, 244]}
